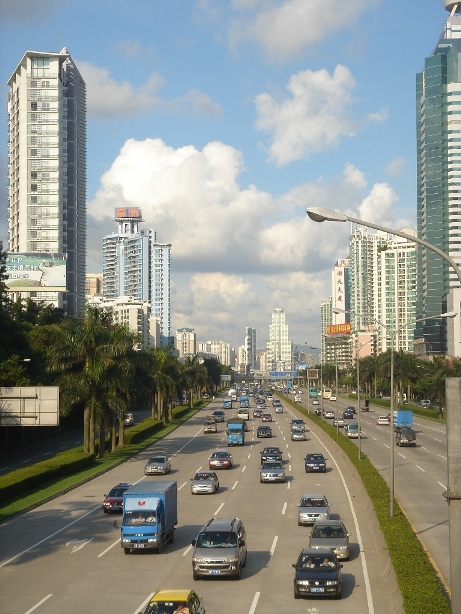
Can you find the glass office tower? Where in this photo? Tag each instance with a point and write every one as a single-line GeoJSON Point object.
{"type": "Point", "coordinates": [438, 113]}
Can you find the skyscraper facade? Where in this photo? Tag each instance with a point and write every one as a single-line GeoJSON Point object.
{"type": "Point", "coordinates": [438, 99]}
{"type": "Point", "coordinates": [136, 265]}
{"type": "Point", "coordinates": [47, 168]}
{"type": "Point", "coordinates": [250, 347]}
{"type": "Point", "coordinates": [279, 347]}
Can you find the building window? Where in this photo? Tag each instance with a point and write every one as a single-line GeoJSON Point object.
{"type": "Point", "coordinates": [33, 106]}
{"type": "Point", "coordinates": [33, 152]}
{"type": "Point", "coordinates": [33, 187]}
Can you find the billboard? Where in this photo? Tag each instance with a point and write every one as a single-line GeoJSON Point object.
{"type": "Point", "coordinates": [312, 374]}
{"type": "Point", "coordinates": [35, 272]}
{"type": "Point", "coordinates": [339, 329]}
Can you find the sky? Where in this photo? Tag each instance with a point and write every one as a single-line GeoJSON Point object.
{"type": "Point", "coordinates": [223, 120]}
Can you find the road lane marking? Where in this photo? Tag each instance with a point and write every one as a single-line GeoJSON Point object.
{"type": "Point", "coordinates": [402, 455]}
{"type": "Point", "coordinates": [244, 467]}
{"type": "Point", "coordinates": [187, 550]}
{"type": "Point", "coordinates": [182, 485]}
{"type": "Point", "coordinates": [109, 548]}
{"type": "Point", "coordinates": [82, 542]}
{"type": "Point", "coordinates": [444, 457]}
{"type": "Point", "coordinates": [28, 460]}
{"type": "Point", "coordinates": [219, 509]}
{"type": "Point", "coordinates": [284, 508]}
{"type": "Point", "coordinates": [47, 453]}
{"type": "Point", "coordinates": [420, 468]}
{"type": "Point", "coordinates": [249, 455]}
{"type": "Point", "coordinates": [37, 605]}
{"type": "Point", "coordinates": [442, 485]}
{"type": "Point", "coordinates": [289, 455]}
{"type": "Point", "coordinates": [254, 603]}
{"type": "Point", "coordinates": [387, 445]}
{"type": "Point", "coordinates": [288, 485]}
{"type": "Point", "coordinates": [235, 485]}
{"type": "Point", "coordinates": [13, 558]}
{"type": "Point", "coordinates": [274, 543]}
{"type": "Point", "coordinates": [289, 467]}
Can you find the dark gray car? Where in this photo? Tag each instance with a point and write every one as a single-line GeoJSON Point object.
{"type": "Point", "coordinates": [331, 534]}
{"type": "Point", "coordinates": [313, 507]}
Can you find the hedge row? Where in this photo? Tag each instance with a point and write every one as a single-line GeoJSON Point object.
{"type": "Point", "coordinates": [421, 588]}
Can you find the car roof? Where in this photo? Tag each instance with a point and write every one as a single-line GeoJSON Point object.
{"type": "Point", "coordinates": [219, 524]}
{"type": "Point", "coordinates": [172, 595]}
{"type": "Point", "coordinates": [329, 522]}
{"type": "Point", "coordinates": [316, 551]}
{"type": "Point", "coordinates": [315, 495]}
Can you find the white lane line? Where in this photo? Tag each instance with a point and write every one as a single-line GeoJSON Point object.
{"type": "Point", "coordinates": [47, 453]}
{"type": "Point", "coordinates": [438, 440]}
{"type": "Point", "coordinates": [249, 455]}
{"type": "Point", "coordinates": [109, 548]}
{"type": "Point", "coordinates": [219, 509]}
{"type": "Point", "coordinates": [37, 605]}
{"type": "Point", "coordinates": [284, 508]}
{"type": "Point", "coordinates": [374, 438]}
{"type": "Point", "coordinates": [402, 455]}
{"type": "Point", "coordinates": [182, 485]}
{"type": "Point", "coordinates": [244, 467]}
{"type": "Point", "coordinates": [143, 604]}
{"type": "Point", "coordinates": [254, 604]}
{"type": "Point", "coordinates": [420, 468]}
{"type": "Point", "coordinates": [13, 558]}
{"type": "Point", "coordinates": [187, 550]}
{"type": "Point", "coordinates": [289, 467]}
{"type": "Point", "coordinates": [387, 445]}
{"type": "Point", "coordinates": [288, 485]}
{"type": "Point", "coordinates": [274, 543]}
{"type": "Point", "coordinates": [235, 485]}
{"type": "Point", "coordinates": [289, 455]}
{"type": "Point", "coordinates": [28, 460]}
{"type": "Point", "coordinates": [444, 457]}
{"type": "Point", "coordinates": [442, 485]}
{"type": "Point", "coordinates": [3, 468]}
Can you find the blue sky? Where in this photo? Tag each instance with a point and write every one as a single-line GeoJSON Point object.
{"type": "Point", "coordinates": [223, 120]}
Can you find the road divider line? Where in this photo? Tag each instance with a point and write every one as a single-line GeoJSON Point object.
{"type": "Point", "coordinates": [244, 467]}
{"type": "Point", "coordinates": [109, 548]}
{"type": "Point", "coordinates": [442, 485]}
{"type": "Point", "coordinates": [284, 508]}
{"type": "Point", "coordinates": [187, 550]}
{"type": "Point", "coordinates": [182, 485]}
{"type": "Point", "coordinates": [254, 603]}
{"type": "Point", "coordinates": [235, 485]}
{"type": "Point", "coordinates": [402, 455]}
{"type": "Point", "coordinates": [274, 543]}
{"type": "Point", "coordinates": [444, 457]}
{"type": "Point", "coordinates": [288, 485]}
{"type": "Point", "coordinates": [420, 468]}
{"type": "Point", "coordinates": [37, 605]}
{"type": "Point", "coordinates": [144, 603]}
{"type": "Point", "coordinates": [219, 509]}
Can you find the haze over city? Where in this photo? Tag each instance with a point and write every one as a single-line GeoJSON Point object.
{"type": "Point", "coordinates": [222, 123]}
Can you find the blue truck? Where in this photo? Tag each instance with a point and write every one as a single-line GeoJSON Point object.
{"type": "Point", "coordinates": [235, 432]}
{"type": "Point", "coordinates": [403, 419]}
{"type": "Point", "coordinates": [150, 514]}
{"type": "Point", "coordinates": [227, 403]}
{"type": "Point", "coordinates": [244, 400]}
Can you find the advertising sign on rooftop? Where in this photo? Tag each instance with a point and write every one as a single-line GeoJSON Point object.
{"type": "Point", "coordinates": [32, 272]}
{"type": "Point", "coordinates": [339, 329]}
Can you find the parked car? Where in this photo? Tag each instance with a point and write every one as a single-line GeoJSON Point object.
{"type": "Point", "coordinates": [272, 471]}
{"type": "Point", "coordinates": [331, 534]}
{"type": "Point", "coordinates": [157, 464]}
{"type": "Point", "coordinates": [383, 420]}
{"type": "Point", "coordinates": [315, 462]}
{"type": "Point", "coordinates": [221, 459]}
{"type": "Point", "coordinates": [113, 502]}
{"type": "Point", "coordinates": [170, 600]}
{"type": "Point", "coordinates": [271, 453]}
{"type": "Point", "coordinates": [263, 431]}
{"type": "Point", "coordinates": [128, 420]}
{"type": "Point", "coordinates": [317, 574]}
{"type": "Point", "coordinates": [312, 507]}
{"type": "Point", "coordinates": [204, 482]}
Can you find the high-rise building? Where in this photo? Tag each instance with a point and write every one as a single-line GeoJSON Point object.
{"type": "Point", "coordinates": [220, 350]}
{"type": "Point", "coordinates": [438, 98]}
{"type": "Point", "coordinates": [93, 284]}
{"type": "Point", "coordinates": [279, 347]}
{"type": "Point", "coordinates": [135, 264]}
{"type": "Point", "coordinates": [336, 346]}
{"type": "Point", "coordinates": [186, 342]}
{"type": "Point", "coordinates": [47, 169]}
{"type": "Point", "coordinates": [250, 347]}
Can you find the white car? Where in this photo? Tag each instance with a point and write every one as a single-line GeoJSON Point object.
{"type": "Point", "coordinates": [333, 397]}
{"type": "Point", "coordinates": [315, 402]}
{"type": "Point", "coordinates": [382, 420]}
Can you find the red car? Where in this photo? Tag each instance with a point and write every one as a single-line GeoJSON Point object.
{"type": "Point", "coordinates": [113, 502]}
{"type": "Point", "coordinates": [266, 417]}
{"type": "Point", "coordinates": [221, 459]}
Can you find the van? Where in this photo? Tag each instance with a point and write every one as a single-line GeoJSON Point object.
{"type": "Point", "coordinates": [220, 549]}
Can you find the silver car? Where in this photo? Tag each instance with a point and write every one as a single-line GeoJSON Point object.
{"type": "Point", "coordinates": [313, 507]}
{"type": "Point", "coordinates": [298, 435]}
{"type": "Point", "coordinates": [331, 534]}
{"type": "Point", "coordinates": [159, 464]}
{"type": "Point", "coordinates": [204, 482]}
{"type": "Point", "coordinates": [272, 471]}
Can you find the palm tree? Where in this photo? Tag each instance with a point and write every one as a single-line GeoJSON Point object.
{"type": "Point", "coordinates": [164, 369]}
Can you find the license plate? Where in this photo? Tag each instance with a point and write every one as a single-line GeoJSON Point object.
{"type": "Point", "coordinates": [215, 572]}
{"type": "Point", "coordinates": [317, 589]}
{"type": "Point", "coordinates": [139, 545]}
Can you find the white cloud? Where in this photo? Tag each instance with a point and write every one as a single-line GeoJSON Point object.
{"type": "Point", "coordinates": [109, 98]}
{"type": "Point", "coordinates": [395, 167]}
{"type": "Point", "coordinates": [379, 116]}
{"type": "Point", "coordinates": [315, 117]}
{"type": "Point", "coordinates": [237, 253]}
{"type": "Point", "coordinates": [283, 28]}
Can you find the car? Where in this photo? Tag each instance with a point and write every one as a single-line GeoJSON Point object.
{"type": "Point", "coordinates": [263, 431]}
{"type": "Point", "coordinates": [220, 549]}
{"type": "Point", "coordinates": [383, 420]}
{"type": "Point", "coordinates": [219, 415]}
{"type": "Point", "coordinates": [257, 413]}
{"type": "Point", "coordinates": [424, 403]}
{"type": "Point", "coordinates": [270, 453]}
{"type": "Point", "coordinates": [297, 435]}
{"type": "Point", "coordinates": [339, 422]}
{"type": "Point", "coordinates": [157, 464]}
{"type": "Point", "coordinates": [128, 420]}
{"type": "Point", "coordinates": [279, 409]}
{"type": "Point", "coordinates": [221, 459]}
{"type": "Point", "coordinates": [298, 424]}
{"type": "Point", "coordinates": [351, 409]}
{"type": "Point", "coordinates": [205, 395]}
{"type": "Point", "coordinates": [315, 462]}
{"type": "Point", "coordinates": [329, 414]}
{"type": "Point", "coordinates": [311, 508]}
{"type": "Point", "coordinates": [317, 574]}
{"type": "Point", "coordinates": [261, 405]}
{"type": "Point", "coordinates": [113, 502]}
{"type": "Point", "coordinates": [328, 533]}
{"type": "Point", "coordinates": [297, 398]}
{"type": "Point", "coordinates": [333, 397]}
{"type": "Point", "coordinates": [318, 411]}
{"type": "Point", "coordinates": [266, 417]}
{"type": "Point", "coordinates": [348, 414]}
{"type": "Point", "coordinates": [204, 482]}
{"type": "Point", "coordinates": [243, 412]}
{"type": "Point", "coordinates": [315, 402]}
{"type": "Point", "coordinates": [210, 426]}
{"type": "Point", "coordinates": [169, 601]}
{"type": "Point", "coordinates": [272, 471]}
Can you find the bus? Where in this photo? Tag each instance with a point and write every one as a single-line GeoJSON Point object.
{"type": "Point", "coordinates": [326, 393]}
{"type": "Point", "coordinates": [313, 393]}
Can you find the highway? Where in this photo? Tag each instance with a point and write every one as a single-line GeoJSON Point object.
{"type": "Point", "coordinates": [420, 476]}
{"type": "Point", "coordinates": [65, 555]}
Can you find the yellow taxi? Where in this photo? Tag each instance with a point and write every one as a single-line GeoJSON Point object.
{"type": "Point", "coordinates": [175, 602]}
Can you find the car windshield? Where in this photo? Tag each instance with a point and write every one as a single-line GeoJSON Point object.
{"type": "Point", "coordinates": [318, 563]}
{"type": "Point", "coordinates": [326, 531]}
{"type": "Point", "coordinates": [220, 455]}
{"type": "Point", "coordinates": [163, 607]}
{"type": "Point", "coordinates": [273, 465]}
{"type": "Point", "coordinates": [311, 457]}
{"type": "Point", "coordinates": [138, 517]}
{"type": "Point", "coordinates": [215, 539]}
{"type": "Point", "coordinates": [311, 502]}
{"type": "Point", "coordinates": [204, 476]}
{"type": "Point", "coordinates": [117, 492]}
{"type": "Point", "coordinates": [157, 459]}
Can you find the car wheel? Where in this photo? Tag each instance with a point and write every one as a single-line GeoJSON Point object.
{"type": "Point", "coordinates": [338, 595]}
{"type": "Point", "coordinates": [195, 576]}
{"type": "Point", "coordinates": [238, 575]}
{"type": "Point", "coordinates": [296, 594]}
{"type": "Point", "coordinates": [105, 511]}
{"type": "Point", "coordinates": [126, 550]}
{"type": "Point", "coordinates": [244, 564]}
